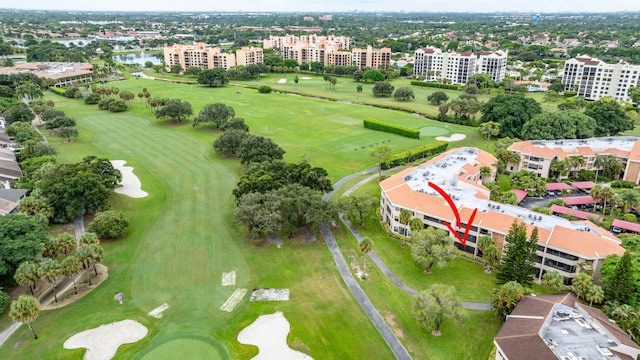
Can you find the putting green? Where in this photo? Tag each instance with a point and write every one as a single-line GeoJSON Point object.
{"type": "Point", "coordinates": [433, 131]}
{"type": "Point", "coordinates": [187, 348]}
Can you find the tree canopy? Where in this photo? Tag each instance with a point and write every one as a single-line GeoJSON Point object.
{"type": "Point", "coordinates": [257, 149]}
{"type": "Point", "coordinates": [559, 125]}
{"type": "Point", "coordinates": [216, 114]}
{"type": "Point", "coordinates": [404, 93]}
{"type": "Point", "coordinates": [174, 109]}
{"type": "Point", "coordinates": [610, 117]}
{"type": "Point", "coordinates": [432, 307]}
{"type": "Point", "coordinates": [109, 224]}
{"type": "Point", "coordinates": [512, 111]}
{"type": "Point", "coordinates": [382, 89]}
{"type": "Point", "coordinates": [430, 247]}
{"type": "Point", "coordinates": [22, 238]}
{"type": "Point", "coordinates": [213, 78]}
{"type": "Point", "coordinates": [519, 259]}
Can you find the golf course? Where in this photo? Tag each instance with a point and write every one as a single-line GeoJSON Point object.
{"type": "Point", "coordinates": [183, 238]}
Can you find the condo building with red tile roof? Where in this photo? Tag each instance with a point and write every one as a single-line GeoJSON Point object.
{"type": "Point", "coordinates": [562, 245]}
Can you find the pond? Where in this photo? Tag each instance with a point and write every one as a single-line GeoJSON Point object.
{"type": "Point", "coordinates": [138, 59]}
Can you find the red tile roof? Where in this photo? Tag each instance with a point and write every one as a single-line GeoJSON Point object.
{"type": "Point", "coordinates": [626, 225]}
{"type": "Point", "coordinates": [520, 194]}
{"type": "Point", "coordinates": [583, 185]}
{"type": "Point", "coordinates": [557, 186]}
{"type": "Point", "coordinates": [577, 213]}
{"type": "Point", "coordinates": [580, 200]}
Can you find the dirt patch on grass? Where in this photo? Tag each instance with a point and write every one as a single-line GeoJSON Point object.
{"type": "Point", "coordinates": [68, 295]}
{"type": "Point", "coordinates": [391, 321]}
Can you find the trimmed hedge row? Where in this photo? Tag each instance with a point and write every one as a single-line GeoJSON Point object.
{"type": "Point", "coordinates": [437, 85]}
{"type": "Point", "coordinates": [417, 153]}
{"type": "Point", "coordinates": [57, 90]}
{"type": "Point", "coordinates": [391, 128]}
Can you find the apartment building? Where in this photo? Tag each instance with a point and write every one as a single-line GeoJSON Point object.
{"type": "Point", "coordinates": [379, 59]}
{"type": "Point", "coordinates": [200, 55]}
{"type": "Point", "coordinates": [562, 245]}
{"type": "Point", "coordinates": [594, 79]}
{"type": "Point", "coordinates": [338, 58]}
{"type": "Point", "coordinates": [313, 40]}
{"type": "Point", "coordinates": [494, 63]}
{"type": "Point", "coordinates": [537, 155]}
{"type": "Point", "coordinates": [435, 65]}
{"type": "Point", "coordinates": [249, 56]}
{"type": "Point", "coordinates": [60, 73]}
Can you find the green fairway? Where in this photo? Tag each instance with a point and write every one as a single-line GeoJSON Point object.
{"type": "Point", "coordinates": [181, 240]}
{"type": "Point", "coordinates": [190, 348]}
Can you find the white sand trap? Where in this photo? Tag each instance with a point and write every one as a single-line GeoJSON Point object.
{"type": "Point", "coordinates": [454, 137]}
{"type": "Point", "coordinates": [269, 334]}
{"type": "Point", "coordinates": [282, 81]}
{"type": "Point", "coordinates": [157, 312]}
{"type": "Point", "coordinates": [131, 185]}
{"type": "Point", "coordinates": [229, 278]}
{"type": "Point", "coordinates": [233, 300]}
{"type": "Point", "coordinates": [305, 78]}
{"type": "Point", "coordinates": [270, 295]}
{"type": "Point", "coordinates": [102, 342]}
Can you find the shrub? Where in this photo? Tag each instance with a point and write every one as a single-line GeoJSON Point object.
{"type": "Point", "coordinates": [60, 121]}
{"type": "Point", "coordinates": [586, 175]}
{"type": "Point", "coordinates": [4, 300]}
{"type": "Point", "coordinates": [414, 154]}
{"type": "Point", "coordinates": [109, 224]}
{"type": "Point", "coordinates": [72, 93]}
{"type": "Point", "coordinates": [57, 90]}
{"type": "Point", "coordinates": [51, 114]}
{"type": "Point", "coordinates": [437, 85]}
{"type": "Point", "coordinates": [264, 89]}
{"type": "Point", "coordinates": [391, 128]}
{"type": "Point", "coordinates": [118, 105]}
{"type": "Point", "coordinates": [622, 184]}
{"type": "Point", "coordinates": [92, 99]}
{"type": "Point", "coordinates": [570, 94]}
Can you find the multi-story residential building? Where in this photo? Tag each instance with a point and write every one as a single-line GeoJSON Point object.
{"type": "Point", "coordinates": [202, 56]}
{"type": "Point", "coordinates": [338, 58]}
{"type": "Point", "coordinates": [435, 65]}
{"type": "Point", "coordinates": [280, 42]}
{"type": "Point", "coordinates": [562, 244]}
{"type": "Point", "coordinates": [494, 63]}
{"type": "Point", "coordinates": [198, 54]}
{"type": "Point", "coordinates": [249, 56]}
{"type": "Point", "coordinates": [371, 58]}
{"type": "Point", "coordinates": [594, 79]}
{"type": "Point", "coordinates": [537, 155]}
{"type": "Point", "coordinates": [558, 327]}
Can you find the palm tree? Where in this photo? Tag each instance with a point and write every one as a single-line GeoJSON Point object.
{"type": "Point", "coordinates": [630, 198]}
{"type": "Point", "coordinates": [492, 256]}
{"type": "Point", "coordinates": [366, 245]}
{"type": "Point", "coordinates": [405, 217]}
{"type": "Point", "coordinates": [27, 274]}
{"type": "Point", "coordinates": [594, 294]}
{"type": "Point", "coordinates": [25, 309]}
{"type": "Point", "coordinates": [581, 283]}
{"type": "Point", "coordinates": [552, 280]}
{"type": "Point", "coordinates": [557, 169]}
{"type": "Point", "coordinates": [71, 265]}
{"type": "Point", "coordinates": [485, 172]}
{"type": "Point", "coordinates": [602, 193]}
{"type": "Point", "coordinates": [598, 164]}
{"type": "Point", "coordinates": [50, 270]}
{"type": "Point", "coordinates": [575, 162]}
{"type": "Point", "coordinates": [89, 238]}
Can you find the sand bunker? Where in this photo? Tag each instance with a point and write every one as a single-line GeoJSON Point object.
{"type": "Point", "coordinates": [454, 137]}
{"type": "Point", "coordinates": [305, 78]}
{"type": "Point", "coordinates": [282, 81]}
{"type": "Point", "coordinates": [269, 334]}
{"type": "Point", "coordinates": [131, 185]}
{"type": "Point", "coordinates": [102, 342]}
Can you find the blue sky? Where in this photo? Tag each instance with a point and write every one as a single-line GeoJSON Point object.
{"type": "Point", "coordinates": [332, 5]}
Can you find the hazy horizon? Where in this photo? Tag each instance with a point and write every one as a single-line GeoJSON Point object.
{"type": "Point", "coordinates": [328, 6]}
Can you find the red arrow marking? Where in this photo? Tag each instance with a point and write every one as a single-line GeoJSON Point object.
{"type": "Point", "coordinates": [466, 231]}
{"type": "Point", "coordinates": [448, 198]}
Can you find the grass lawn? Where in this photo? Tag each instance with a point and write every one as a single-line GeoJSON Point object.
{"type": "Point", "coordinates": [471, 340]}
{"type": "Point", "coordinates": [181, 239]}
{"type": "Point", "coordinates": [334, 137]}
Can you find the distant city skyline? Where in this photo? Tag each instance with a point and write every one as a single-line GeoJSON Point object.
{"type": "Point", "coordinates": [534, 6]}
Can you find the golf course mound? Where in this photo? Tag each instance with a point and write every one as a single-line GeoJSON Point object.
{"type": "Point", "coordinates": [433, 131]}
{"type": "Point", "coordinates": [187, 348]}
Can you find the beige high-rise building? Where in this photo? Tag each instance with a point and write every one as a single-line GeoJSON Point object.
{"type": "Point", "coordinates": [435, 65]}
{"type": "Point", "coordinates": [594, 79]}
{"type": "Point", "coordinates": [204, 57]}
{"type": "Point", "coordinates": [249, 56]}
{"type": "Point", "coordinates": [371, 58]}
